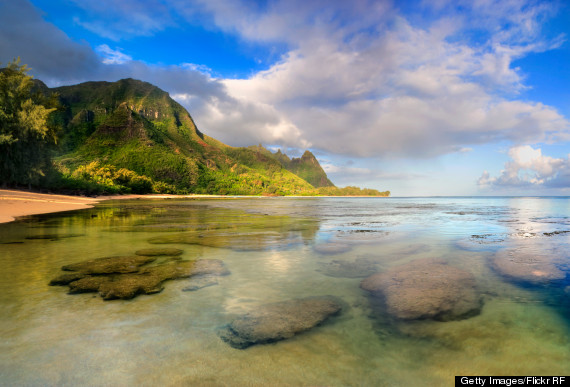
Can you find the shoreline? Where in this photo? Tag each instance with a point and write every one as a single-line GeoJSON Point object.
{"type": "Point", "coordinates": [16, 203]}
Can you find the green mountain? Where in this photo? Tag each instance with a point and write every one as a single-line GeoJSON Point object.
{"type": "Point", "coordinates": [306, 167]}
{"type": "Point", "coordinates": [130, 136]}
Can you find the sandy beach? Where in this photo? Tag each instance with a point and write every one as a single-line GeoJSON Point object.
{"type": "Point", "coordinates": [22, 203]}
{"type": "Point", "coordinates": [15, 203]}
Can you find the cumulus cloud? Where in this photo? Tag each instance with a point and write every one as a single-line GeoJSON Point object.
{"type": "Point", "coordinates": [357, 78]}
{"type": "Point", "coordinates": [403, 91]}
{"type": "Point", "coordinates": [529, 167]}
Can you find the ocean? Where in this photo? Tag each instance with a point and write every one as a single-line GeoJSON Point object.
{"type": "Point", "coordinates": [514, 250]}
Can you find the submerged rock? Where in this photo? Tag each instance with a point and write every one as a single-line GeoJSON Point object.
{"type": "Point", "coordinates": [124, 278]}
{"type": "Point", "coordinates": [279, 321]}
{"type": "Point", "coordinates": [158, 252]}
{"type": "Point", "coordinates": [527, 266]}
{"type": "Point", "coordinates": [110, 265]}
{"type": "Point", "coordinates": [197, 283]}
{"type": "Point", "coordinates": [67, 278]}
{"type": "Point", "coordinates": [205, 273]}
{"type": "Point", "coordinates": [128, 286]}
{"type": "Point", "coordinates": [88, 284]}
{"type": "Point", "coordinates": [332, 248]}
{"type": "Point", "coordinates": [240, 241]}
{"type": "Point", "coordinates": [481, 242]}
{"type": "Point", "coordinates": [426, 289]}
{"type": "Point", "coordinates": [210, 267]}
{"type": "Point", "coordinates": [359, 268]}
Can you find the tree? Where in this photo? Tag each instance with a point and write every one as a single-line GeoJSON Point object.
{"type": "Point", "coordinates": [25, 134]}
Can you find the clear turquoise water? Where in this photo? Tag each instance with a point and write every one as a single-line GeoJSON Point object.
{"type": "Point", "coordinates": [278, 249]}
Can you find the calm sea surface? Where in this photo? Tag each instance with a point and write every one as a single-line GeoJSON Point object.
{"type": "Point", "coordinates": [279, 249]}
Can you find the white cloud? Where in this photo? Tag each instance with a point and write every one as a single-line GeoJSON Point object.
{"type": "Point", "coordinates": [118, 20]}
{"type": "Point", "coordinates": [403, 91]}
{"type": "Point", "coordinates": [529, 167]}
{"type": "Point", "coordinates": [111, 56]}
{"type": "Point", "coordinates": [358, 78]}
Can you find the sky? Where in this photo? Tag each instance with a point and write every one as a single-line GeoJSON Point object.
{"type": "Point", "coordinates": [422, 98]}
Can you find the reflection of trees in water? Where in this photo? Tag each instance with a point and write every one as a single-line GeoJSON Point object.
{"type": "Point", "coordinates": [205, 225]}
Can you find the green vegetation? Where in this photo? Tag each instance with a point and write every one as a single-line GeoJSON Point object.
{"type": "Point", "coordinates": [351, 191]}
{"type": "Point", "coordinates": [131, 137]}
{"type": "Point", "coordinates": [26, 134]}
{"type": "Point", "coordinates": [105, 179]}
{"type": "Point", "coordinates": [306, 167]}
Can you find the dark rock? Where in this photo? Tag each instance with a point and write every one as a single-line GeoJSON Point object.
{"type": "Point", "coordinates": [279, 321]}
{"type": "Point", "coordinates": [158, 252]}
{"type": "Point", "coordinates": [559, 232]}
{"type": "Point", "coordinates": [110, 265]}
{"type": "Point", "coordinates": [426, 289]}
{"type": "Point", "coordinates": [527, 266]}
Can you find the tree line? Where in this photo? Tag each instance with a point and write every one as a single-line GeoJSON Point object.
{"type": "Point", "coordinates": [27, 136]}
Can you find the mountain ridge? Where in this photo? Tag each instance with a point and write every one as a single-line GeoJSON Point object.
{"type": "Point", "coordinates": [130, 125]}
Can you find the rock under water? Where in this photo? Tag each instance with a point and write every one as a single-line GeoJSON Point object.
{"type": "Point", "coordinates": [279, 321]}
{"type": "Point", "coordinates": [527, 266]}
{"type": "Point", "coordinates": [158, 252]}
{"type": "Point", "coordinates": [426, 289]}
{"type": "Point", "coordinates": [110, 265]}
{"type": "Point", "coordinates": [358, 268]}
{"type": "Point", "coordinates": [126, 277]}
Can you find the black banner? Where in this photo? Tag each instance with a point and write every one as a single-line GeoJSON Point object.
{"type": "Point", "coordinates": [485, 381]}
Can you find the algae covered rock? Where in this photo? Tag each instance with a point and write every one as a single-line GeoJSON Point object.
{"type": "Point", "coordinates": [128, 286]}
{"type": "Point", "coordinates": [67, 278]}
{"type": "Point", "coordinates": [426, 289]}
{"type": "Point", "coordinates": [127, 277]}
{"type": "Point", "coordinates": [88, 284]}
{"type": "Point", "coordinates": [110, 265]}
{"type": "Point", "coordinates": [279, 321]}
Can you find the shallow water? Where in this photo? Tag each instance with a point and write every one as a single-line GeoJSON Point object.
{"type": "Point", "coordinates": [278, 249]}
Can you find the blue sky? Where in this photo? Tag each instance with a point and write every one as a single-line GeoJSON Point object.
{"type": "Point", "coordinates": [418, 97]}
